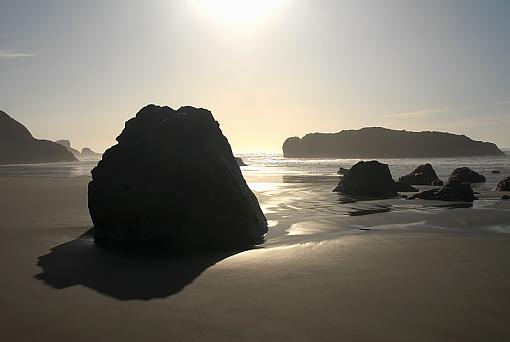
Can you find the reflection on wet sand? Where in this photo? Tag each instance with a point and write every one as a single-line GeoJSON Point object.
{"type": "Point", "coordinates": [301, 209]}
{"type": "Point", "coordinates": [309, 179]}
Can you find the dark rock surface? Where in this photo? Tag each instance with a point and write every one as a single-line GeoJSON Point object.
{"type": "Point", "coordinates": [342, 171]}
{"type": "Point", "coordinates": [422, 175]}
{"type": "Point", "coordinates": [18, 146]}
{"type": "Point", "coordinates": [454, 191]}
{"type": "Point", "coordinates": [466, 175]}
{"type": "Point", "coordinates": [377, 142]}
{"type": "Point", "coordinates": [172, 180]}
{"type": "Point", "coordinates": [437, 182]}
{"type": "Point", "coordinates": [239, 161]}
{"type": "Point", "coordinates": [505, 197]}
{"type": "Point", "coordinates": [368, 179]}
{"type": "Point", "coordinates": [495, 172]}
{"type": "Point", "coordinates": [403, 187]}
{"type": "Point", "coordinates": [292, 148]}
{"type": "Point", "coordinates": [504, 185]}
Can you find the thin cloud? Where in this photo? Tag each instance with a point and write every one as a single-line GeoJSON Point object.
{"type": "Point", "coordinates": [427, 112]}
{"type": "Point", "coordinates": [418, 113]}
{"type": "Point", "coordinates": [10, 54]}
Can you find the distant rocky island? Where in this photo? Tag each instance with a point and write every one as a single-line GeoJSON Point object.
{"type": "Point", "coordinates": [84, 154]}
{"type": "Point", "coordinates": [18, 146]}
{"type": "Point", "coordinates": [378, 142]}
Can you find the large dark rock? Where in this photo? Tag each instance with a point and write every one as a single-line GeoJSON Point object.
{"type": "Point", "coordinates": [172, 180]}
{"type": "Point", "coordinates": [422, 175]}
{"type": "Point", "coordinates": [466, 175]}
{"type": "Point", "coordinates": [504, 185]}
{"type": "Point", "coordinates": [18, 146]}
{"type": "Point", "coordinates": [454, 191]}
{"type": "Point", "coordinates": [368, 179]}
{"type": "Point", "coordinates": [378, 142]}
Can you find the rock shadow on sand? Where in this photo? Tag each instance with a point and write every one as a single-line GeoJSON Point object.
{"type": "Point", "coordinates": [124, 275]}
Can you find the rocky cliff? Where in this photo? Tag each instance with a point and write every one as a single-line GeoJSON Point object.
{"type": "Point", "coordinates": [18, 146]}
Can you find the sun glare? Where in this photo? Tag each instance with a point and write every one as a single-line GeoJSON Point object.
{"type": "Point", "coordinates": [238, 12]}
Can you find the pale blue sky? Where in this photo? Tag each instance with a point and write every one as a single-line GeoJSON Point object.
{"type": "Point", "coordinates": [78, 69]}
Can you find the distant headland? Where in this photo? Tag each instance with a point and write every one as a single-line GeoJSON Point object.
{"type": "Point", "coordinates": [18, 146]}
{"type": "Point", "coordinates": [378, 142]}
{"type": "Point", "coordinates": [84, 154]}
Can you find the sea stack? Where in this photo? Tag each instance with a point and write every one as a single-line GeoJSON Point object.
{"type": "Point", "coordinates": [18, 146]}
{"type": "Point", "coordinates": [504, 185]}
{"type": "Point", "coordinates": [86, 153]}
{"type": "Point", "coordinates": [466, 175]}
{"type": "Point", "coordinates": [422, 175]}
{"type": "Point", "coordinates": [172, 180]}
{"type": "Point", "coordinates": [368, 179]}
{"type": "Point", "coordinates": [453, 191]}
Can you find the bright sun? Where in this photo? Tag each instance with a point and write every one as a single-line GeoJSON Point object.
{"type": "Point", "coordinates": [237, 12]}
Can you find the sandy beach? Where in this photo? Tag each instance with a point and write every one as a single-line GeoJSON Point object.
{"type": "Point", "coordinates": [414, 272]}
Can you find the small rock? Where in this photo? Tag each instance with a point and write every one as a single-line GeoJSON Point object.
{"type": "Point", "coordinates": [240, 162]}
{"type": "Point", "coordinates": [422, 175]}
{"type": "Point", "coordinates": [504, 185]}
{"type": "Point", "coordinates": [437, 182]}
{"type": "Point", "coordinates": [466, 175]}
{"type": "Point", "coordinates": [453, 191]}
{"type": "Point", "coordinates": [368, 179]}
{"type": "Point", "coordinates": [342, 171]}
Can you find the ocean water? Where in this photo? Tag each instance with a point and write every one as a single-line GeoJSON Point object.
{"type": "Point", "coordinates": [64, 169]}
{"type": "Point", "coordinates": [273, 168]}
{"type": "Point", "coordinates": [294, 170]}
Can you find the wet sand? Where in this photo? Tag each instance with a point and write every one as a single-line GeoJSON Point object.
{"type": "Point", "coordinates": [330, 270]}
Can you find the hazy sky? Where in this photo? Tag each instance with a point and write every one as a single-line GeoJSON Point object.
{"type": "Point", "coordinates": [267, 69]}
